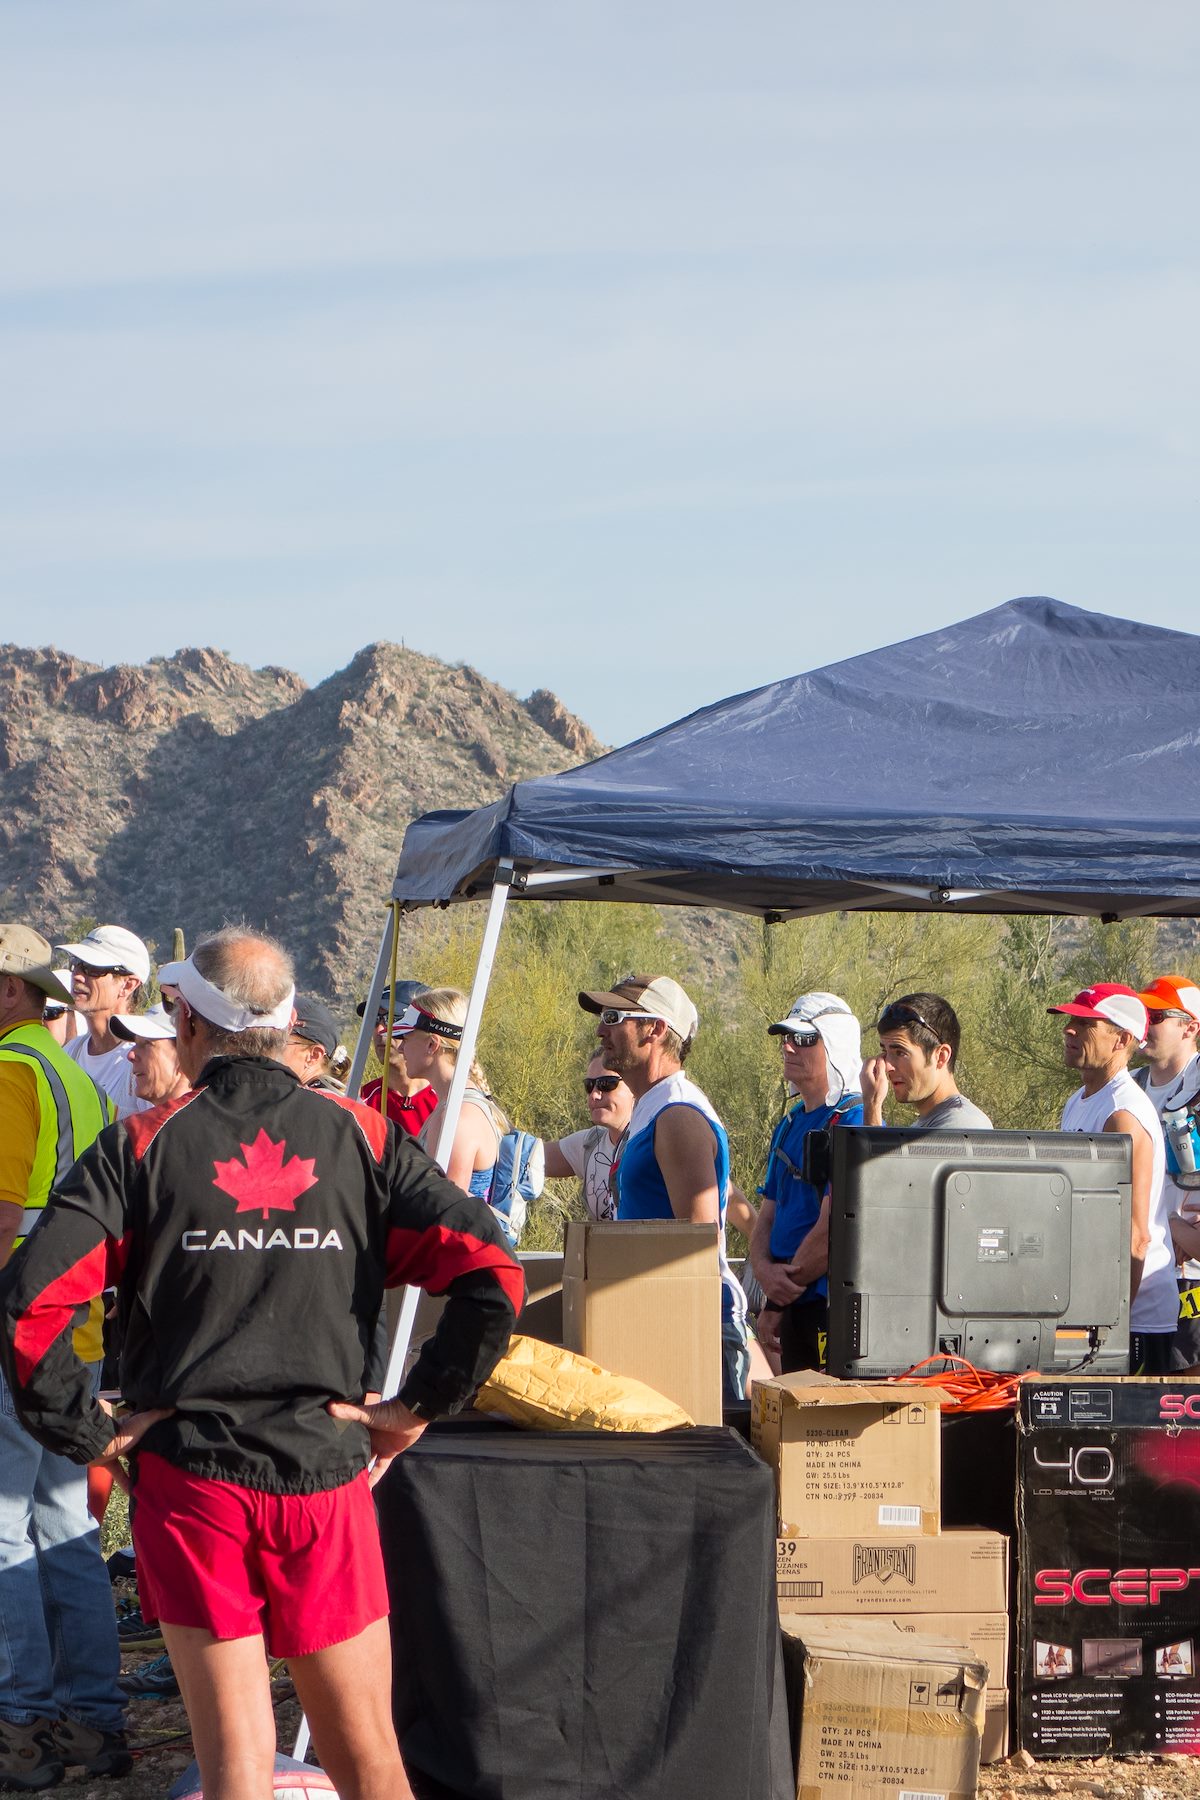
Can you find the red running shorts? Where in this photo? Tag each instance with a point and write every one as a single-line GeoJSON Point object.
{"type": "Point", "coordinates": [305, 1570]}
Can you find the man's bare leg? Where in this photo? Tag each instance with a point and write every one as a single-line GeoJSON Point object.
{"type": "Point", "coordinates": [346, 1693]}
{"type": "Point", "coordinates": [227, 1693]}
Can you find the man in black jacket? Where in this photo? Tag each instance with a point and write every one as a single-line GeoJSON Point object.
{"type": "Point", "coordinates": [250, 1228]}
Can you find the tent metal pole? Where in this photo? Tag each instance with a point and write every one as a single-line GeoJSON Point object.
{"type": "Point", "coordinates": [371, 1006]}
{"type": "Point", "coordinates": [452, 1105]}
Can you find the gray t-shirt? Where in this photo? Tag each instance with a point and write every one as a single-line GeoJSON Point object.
{"type": "Point", "coordinates": [955, 1114]}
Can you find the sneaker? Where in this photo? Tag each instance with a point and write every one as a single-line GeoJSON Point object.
{"type": "Point", "coordinates": [85, 1746]}
{"type": "Point", "coordinates": [153, 1681]}
{"type": "Point", "coordinates": [134, 1633]}
{"type": "Point", "coordinates": [28, 1758]}
{"type": "Point", "coordinates": [121, 1565]}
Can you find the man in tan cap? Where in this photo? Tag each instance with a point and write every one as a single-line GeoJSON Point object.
{"type": "Point", "coordinates": [675, 1161]}
{"type": "Point", "coordinates": [59, 1657]}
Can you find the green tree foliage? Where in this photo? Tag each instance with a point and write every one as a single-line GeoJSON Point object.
{"type": "Point", "coordinates": [1000, 975]}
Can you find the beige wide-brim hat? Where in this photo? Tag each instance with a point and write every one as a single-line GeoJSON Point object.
{"type": "Point", "coordinates": [26, 953]}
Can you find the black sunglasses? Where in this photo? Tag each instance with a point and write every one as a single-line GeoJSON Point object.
{"type": "Point", "coordinates": [52, 1010]}
{"type": "Point", "coordinates": [75, 963]}
{"type": "Point", "coordinates": [602, 1084]}
{"type": "Point", "coordinates": [897, 1016]}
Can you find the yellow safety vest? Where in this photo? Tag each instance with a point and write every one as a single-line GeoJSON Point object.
{"type": "Point", "coordinates": [73, 1112]}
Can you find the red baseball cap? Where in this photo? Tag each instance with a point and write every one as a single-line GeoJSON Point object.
{"type": "Point", "coordinates": [1173, 993]}
{"type": "Point", "coordinates": [1121, 1006]}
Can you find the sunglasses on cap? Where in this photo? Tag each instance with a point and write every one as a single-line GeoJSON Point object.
{"type": "Point", "coordinates": [895, 1018]}
{"type": "Point", "coordinates": [800, 1040]}
{"type": "Point", "coordinates": [600, 1084]}
{"type": "Point", "coordinates": [1159, 1013]}
{"type": "Point", "coordinates": [613, 1015]}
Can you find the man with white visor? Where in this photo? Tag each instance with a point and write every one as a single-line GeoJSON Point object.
{"type": "Point", "coordinates": [251, 1227]}
{"type": "Point", "coordinates": [789, 1250]}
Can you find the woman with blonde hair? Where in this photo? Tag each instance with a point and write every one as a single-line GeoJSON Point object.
{"type": "Point", "coordinates": [431, 1028]}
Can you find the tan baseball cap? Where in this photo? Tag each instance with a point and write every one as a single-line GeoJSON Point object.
{"type": "Point", "coordinates": [26, 953]}
{"type": "Point", "coordinates": [651, 997]}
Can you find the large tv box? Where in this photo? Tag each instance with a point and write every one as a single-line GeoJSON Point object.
{"type": "Point", "coordinates": [1109, 1612]}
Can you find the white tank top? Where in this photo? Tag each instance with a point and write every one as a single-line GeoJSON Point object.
{"type": "Point", "coordinates": [1156, 1305]}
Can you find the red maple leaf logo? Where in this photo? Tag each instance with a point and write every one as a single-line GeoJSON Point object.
{"type": "Point", "coordinates": [265, 1181]}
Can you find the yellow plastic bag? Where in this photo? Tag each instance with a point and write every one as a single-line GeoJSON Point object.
{"type": "Point", "coordinates": [550, 1389]}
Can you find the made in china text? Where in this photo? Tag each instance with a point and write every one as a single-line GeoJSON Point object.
{"type": "Point", "coordinates": [1109, 1587]}
{"type": "Point", "coordinates": [301, 1237]}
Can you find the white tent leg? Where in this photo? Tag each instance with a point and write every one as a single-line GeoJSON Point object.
{"type": "Point", "coordinates": [371, 1006]}
{"type": "Point", "coordinates": [450, 1113]}
{"type": "Point", "coordinates": [452, 1106]}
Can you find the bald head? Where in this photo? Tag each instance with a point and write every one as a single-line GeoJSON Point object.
{"type": "Point", "coordinates": [254, 972]}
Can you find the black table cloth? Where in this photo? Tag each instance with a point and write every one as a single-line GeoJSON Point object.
{"type": "Point", "coordinates": [585, 1615]}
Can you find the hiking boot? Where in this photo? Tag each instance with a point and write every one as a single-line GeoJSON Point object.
{"type": "Point", "coordinates": [87, 1747]}
{"type": "Point", "coordinates": [153, 1681]}
{"type": "Point", "coordinates": [133, 1632]}
{"type": "Point", "coordinates": [28, 1758]}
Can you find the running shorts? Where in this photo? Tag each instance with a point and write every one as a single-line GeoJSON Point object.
{"type": "Point", "coordinates": [304, 1570]}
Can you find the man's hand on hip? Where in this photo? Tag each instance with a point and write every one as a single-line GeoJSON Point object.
{"type": "Point", "coordinates": [393, 1429]}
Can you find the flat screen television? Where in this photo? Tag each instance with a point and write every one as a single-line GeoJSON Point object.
{"type": "Point", "coordinates": [1009, 1248]}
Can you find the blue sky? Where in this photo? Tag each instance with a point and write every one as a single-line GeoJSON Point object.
{"type": "Point", "coordinates": [646, 352]}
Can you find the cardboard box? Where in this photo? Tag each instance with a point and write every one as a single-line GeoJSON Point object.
{"type": "Point", "coordinates": [982, 1637]}
{"type": "Point", "coordinates": [1108, 1631]}
{"type": "Point", "coordinates": [994, 1747]}
{"type": "Point", "coordinates": [644, 1299]}
{"type": "Point", "coordinates": [849, 1457]}
{"type": "Point", "coordinates": [985, 1635]}
{"type": "Point", "coordinates": [876, 1714]}
{"type": "Point", "coordinates": [959, 1571]}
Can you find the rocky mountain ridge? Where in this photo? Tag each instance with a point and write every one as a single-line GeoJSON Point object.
{"type": "Point", "coordinates": [191, 789]}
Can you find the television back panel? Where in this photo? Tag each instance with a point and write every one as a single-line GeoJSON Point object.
{"type": "Point", "coordinates": [1008, 1248]}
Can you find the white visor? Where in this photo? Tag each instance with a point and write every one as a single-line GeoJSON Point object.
{"type": "Point", "coordinates": [217, 1007]}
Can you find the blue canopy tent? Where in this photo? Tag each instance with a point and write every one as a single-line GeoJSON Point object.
{"type": "Point", "coordinates": [1037, 758]}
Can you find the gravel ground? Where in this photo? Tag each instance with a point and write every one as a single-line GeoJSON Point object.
{"type": "Point", "coordinates": [1105, 1777]}
{"type": "Point", "coordinates": [158, 1733]}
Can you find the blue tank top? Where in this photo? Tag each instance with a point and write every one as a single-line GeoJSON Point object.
{"type": "Point", "coordinates": [642, 1192]}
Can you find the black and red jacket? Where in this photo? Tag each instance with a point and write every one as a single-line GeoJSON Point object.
{"type": "Point", "coordinates": [250, 1229]}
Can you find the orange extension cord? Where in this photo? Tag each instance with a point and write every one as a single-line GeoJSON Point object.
{"type": "Point", "coordinates": [970, 1389]}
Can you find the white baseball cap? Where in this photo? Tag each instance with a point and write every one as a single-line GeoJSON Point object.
{"type": "Point", "coordinates": [111, 947]}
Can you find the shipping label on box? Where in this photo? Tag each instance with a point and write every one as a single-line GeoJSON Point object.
{"type": "Point", "coordinates": [959, 1571]}
{"type": "Point", "coordinates": [1108, 1636]}
{"type": "Point", "coordinates": [644, 1300]}
{"type": "Point", "coordinates": [876, 1714]}
{"type": "Point", "coordinates": [849, 1457]}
